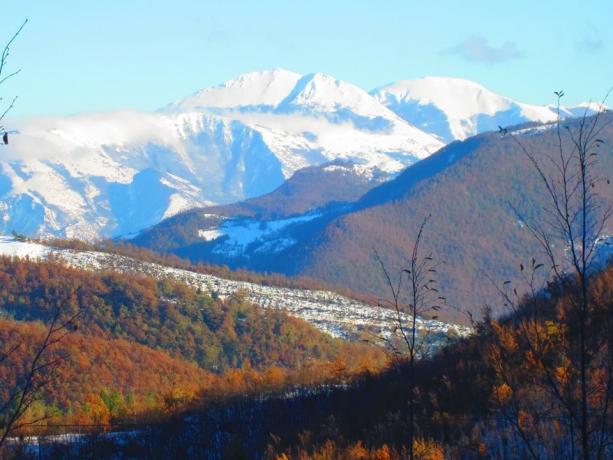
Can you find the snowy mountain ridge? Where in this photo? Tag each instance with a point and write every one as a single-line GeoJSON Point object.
{"type": "Point", "coordinates": [454, 109]}
{"type": "Point", "coordinates": [111, 174]}
{"type": "Point", "coordinates": [265, 88]}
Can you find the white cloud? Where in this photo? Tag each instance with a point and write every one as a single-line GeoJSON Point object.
{"type": "Point", "coordinates": [477, 49]}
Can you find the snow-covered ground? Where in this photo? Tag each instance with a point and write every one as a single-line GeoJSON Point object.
{"type": "Point", "coordinates": [238, 234]}
{"type": "Point", "coordinates": [330, 312]}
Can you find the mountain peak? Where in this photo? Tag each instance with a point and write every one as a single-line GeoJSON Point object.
{"type": "Point", "coordinates": [457, 97]}
{"type": "Point", "coordinates": [324, 93]}
{"type": "Point", "coordinates": [454, 108]}
{"type": "Point", "coordinates": [268, 88]}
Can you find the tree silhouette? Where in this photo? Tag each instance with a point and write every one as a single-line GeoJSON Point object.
{"type": "Point", "coordinates": [413, 294]}
{"type": "Point", "coordinates": [4, 76]}
{"type": "Point", "coordinates": [41, 368]}
{"type": "Point", "coordinates": [566, 352]}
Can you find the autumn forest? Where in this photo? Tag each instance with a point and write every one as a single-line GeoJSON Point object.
{"type": "Point", "coordinates": [289, 266]}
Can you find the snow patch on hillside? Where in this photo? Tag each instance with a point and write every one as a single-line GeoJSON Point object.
{"type": "Point", "coordinates": [9, 246]}
{"type": "Point", "coordinates": [236, 235]}
{"type": "Point", "coordinates": [328, 311]}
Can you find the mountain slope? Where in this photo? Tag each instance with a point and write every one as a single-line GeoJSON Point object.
{"type": "Point", "coordinates": [316, 189]}
{"type": "Point", "coordinates": [163, 314]}
{"type": "Point", "coordinates": [149, 346]}
{"type": "Point", "coordinates": [141, 375]}
{"type": "Point", "coordinates": [333, 117]}
{"type": "Point", "coordinates": [468, 187]}
{"type": "Point", "coordinates": [331, 313]}
{"type": "Point", "coordinates": [462, 401]}
{"type": "Point", "coordinates": [115, 173]}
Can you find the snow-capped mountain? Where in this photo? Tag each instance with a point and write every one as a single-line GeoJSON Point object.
{"type": "Point", "coordinates": [110, 174]}
{"type": "Point", "coordinates": [116, 173]}
{"type": "Point", "coordinates": [454, 109]}
{"type": "Point", "coordinates": [255, 89]}
{"type": "Point", "coordinates": [313, 119]}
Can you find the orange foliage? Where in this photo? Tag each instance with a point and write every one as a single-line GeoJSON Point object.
{"type": "Point", "coordinates": [331, 450]}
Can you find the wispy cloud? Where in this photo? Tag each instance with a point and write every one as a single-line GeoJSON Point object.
{"type": "Point", "coordinates": [590, 42]}
{"type": "Point", "coordinates": [477, 49]}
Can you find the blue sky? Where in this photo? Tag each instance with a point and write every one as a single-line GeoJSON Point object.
{"type": "Point", "coordinates": [93, 56]}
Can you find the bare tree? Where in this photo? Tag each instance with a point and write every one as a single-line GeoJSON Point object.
{"type": "Point", "coordinates": [4, 77]}
{"type": "Point", "coordinates": [40, 370]}
{"type": "Point", "coordinates": [39, 374]}
{"type": "Point", "coordinates": [572, 355]}
{"type": "Point", "coordinates": [413, 295]}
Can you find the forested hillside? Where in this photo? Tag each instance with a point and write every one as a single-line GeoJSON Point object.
{"type": "Point", "coordinates": [487, 396]}
{"type": "Point", "coordinates": [149, 342]}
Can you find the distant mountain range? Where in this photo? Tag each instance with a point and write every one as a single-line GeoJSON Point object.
{"type": "Point", "coordinates": [454, 109]}
{"type": "Point", "coordinates": [468, 187]}
{"type": "Point", "coordinates": [113, 174]}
